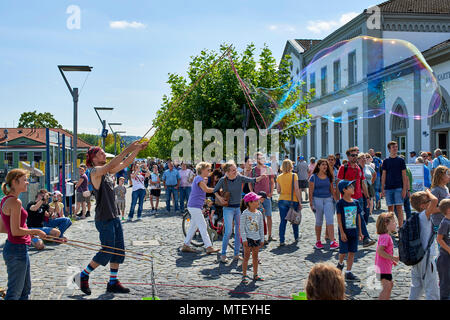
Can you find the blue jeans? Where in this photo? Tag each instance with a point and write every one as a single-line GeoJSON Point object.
{"type": "Point", "coordinates": [363, 221]}
{"type": "Point", "coordinates": [111, 235]}
{"type": "Point", "coordinates": [169, 191]}
{"type": "Point", "coordinates": [18, 268]}
{"type": "Point", "coordinates": [377, 186]}
{"type": "Point", "coordinates": [184, 195]}
{"type": "Point", "coordinates": [61, 223]}
{"type": "Point", "coordinates": [283, 206]}
{"type": "Point", "coordinates": [230, 215]}
{"type": "Point", "coordinates": [135, 196]}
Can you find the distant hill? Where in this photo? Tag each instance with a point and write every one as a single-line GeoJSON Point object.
{"type": "Point", "coordinates": [130, 139]}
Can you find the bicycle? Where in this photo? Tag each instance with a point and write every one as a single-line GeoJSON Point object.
{"type": "Point", "coordinates": [215, 229]}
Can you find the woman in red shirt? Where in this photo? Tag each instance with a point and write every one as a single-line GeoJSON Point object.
{"type": "Point", "coordinates": [13, 222]}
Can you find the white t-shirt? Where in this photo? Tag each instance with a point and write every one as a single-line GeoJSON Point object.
{"type": "Point", "coordinates": [138, 182]}
{"type": "Point", "coordinates": [425, 233]}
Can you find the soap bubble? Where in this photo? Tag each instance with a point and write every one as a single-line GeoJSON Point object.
{"type": "Point", "coordinates": [360, 78]}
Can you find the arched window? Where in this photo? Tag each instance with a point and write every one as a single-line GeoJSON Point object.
{"type": "Point", "coordinates": [399, 118]}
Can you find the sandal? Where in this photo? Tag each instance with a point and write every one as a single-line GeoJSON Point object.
{"type": "Point", "coordinates": [244, 280]}
{"type": "Point", "coordinates": [257, 278]}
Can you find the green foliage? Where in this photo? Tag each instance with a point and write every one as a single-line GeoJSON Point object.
{"type": "Point", "coordinates": [218, 99]}
{"type": "Point", "coordinates": [34, 119]}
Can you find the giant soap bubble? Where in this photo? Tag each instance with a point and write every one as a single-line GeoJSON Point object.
{"type": "Point", "coordinates": [360, 78]}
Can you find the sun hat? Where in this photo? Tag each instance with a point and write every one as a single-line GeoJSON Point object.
{"type": "Point", "coordinates": [251, 196]}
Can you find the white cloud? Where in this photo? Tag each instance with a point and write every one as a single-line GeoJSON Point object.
{"type": "Point", "coordinates": [123, 24]}
{"type": "Point", "coordinates": [321, 26]}
{"type": "Point", "coordinates": [282, 28]}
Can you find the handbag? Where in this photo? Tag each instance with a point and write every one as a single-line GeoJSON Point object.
{"type": "Point", "coordinates": [225, 194]}
{"type": "Point", "coordinates": [86, 194]}
{"type": "Point", "coordinates": [293, 216]}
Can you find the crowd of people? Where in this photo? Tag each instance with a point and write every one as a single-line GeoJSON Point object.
{"type": "Point", "coordinates": [346, 192]}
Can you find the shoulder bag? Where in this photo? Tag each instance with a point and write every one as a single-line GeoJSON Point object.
{"type": "Point", "coordinates": [225, 195]}
{"type": "Point", "coordinates": [293, 216]}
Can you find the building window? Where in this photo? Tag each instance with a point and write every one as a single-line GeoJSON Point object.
{"type": "Point", "coordinates": [312, 83]}
{"type": "Point", "coordinates": [353, 129]}
{"type": "Point", "coordinates": [323, 81]}
{"type": "Point", "coordinates": [37, 156]}
{"type": "Point", "coordinates": [313, 140]}
{"type": "Point", "coordinates": [9, 158]}
{"type": "Point", "coordinates": [23, 156]}
{"type": "Point", "coordinates": [351, 68]}
{"type": "Point", "coordinates": [337, 75]}
{"type": "Point", "coordinates": [337, 135]}
{"type": "Point", "coordinates": [324, 138]}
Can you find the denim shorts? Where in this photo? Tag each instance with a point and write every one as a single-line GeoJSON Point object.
{"type": "Point", "coordinates": [111, 235]}
{"type": "Point", "coordinates": [267, 204]}
{"type": "Point", "coordinates": [394, 197]}
{"type": "Point", "coordinates": [47, 231]}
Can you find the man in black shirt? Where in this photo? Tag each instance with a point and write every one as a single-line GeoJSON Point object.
{"type": "Point", "coordinates": [107, 220]}
{"type": "Point", "coordinates": [38, 211]}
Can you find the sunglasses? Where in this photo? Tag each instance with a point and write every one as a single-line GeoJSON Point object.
{"type": "Point", "coordinates": [354, 155]}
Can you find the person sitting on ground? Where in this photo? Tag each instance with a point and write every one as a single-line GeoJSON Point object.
{"type": "Point", "coordinates": [325, 282]}
{"type": "Point", "coordinates": [37, 211]}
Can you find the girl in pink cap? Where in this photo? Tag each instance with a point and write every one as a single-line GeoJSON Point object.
{"type": "Point", "coordinates": [252, 233]}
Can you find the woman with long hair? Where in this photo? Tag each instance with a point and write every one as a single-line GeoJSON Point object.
{"type": "Point", "coordinates": [13, 222]}
{"type": "Point", "coordinates": [289, 196]}
{"type": "Point", "coordinates": [322, 192]}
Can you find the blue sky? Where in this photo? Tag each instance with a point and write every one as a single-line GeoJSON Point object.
{"type": "Point", "coordinates": [133, 45]}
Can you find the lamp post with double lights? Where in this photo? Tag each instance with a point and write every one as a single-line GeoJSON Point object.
{"type": "Point", "coordinates": [75, 95]}
{"type": "Point", "coordinates": [114, 133]}
{"type": "Point", "coordinates": [103, 122]}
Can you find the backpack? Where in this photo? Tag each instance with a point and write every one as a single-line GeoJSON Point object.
{"type": "Point", "coordinates": [410, 247]}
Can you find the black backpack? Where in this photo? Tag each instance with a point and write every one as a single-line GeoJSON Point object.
{"type": "Point", "coordinates": [410, 247]}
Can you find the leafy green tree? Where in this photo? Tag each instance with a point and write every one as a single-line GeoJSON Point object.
{"type": "Point", "coordinates": [218, 99]}
{"type": "Point", "coordinates": [34, 119]}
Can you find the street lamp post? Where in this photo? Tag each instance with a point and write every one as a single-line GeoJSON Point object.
{"type": "Point", "coordinates": [118, 132]}
{"type": "Point", "coordinates": [114, 133]}
{"type": "Point", "coordinates": [103, 122]}
{"type": "Point", "coordinates": [75, 96]}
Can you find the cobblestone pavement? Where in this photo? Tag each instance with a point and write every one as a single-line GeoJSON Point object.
{"type": "Point", "coordinates": [181, 275]}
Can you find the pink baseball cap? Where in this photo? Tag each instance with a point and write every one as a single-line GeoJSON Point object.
{"type": "Point", "coordinates": [251, 196]}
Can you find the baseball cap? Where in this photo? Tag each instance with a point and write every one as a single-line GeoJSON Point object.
{"type": "Point", "coordinates": [301, 158]}
{"type": "Point", "coordinates": [343, 184]}
{"type": "Point", "coordinates": [251, 196]}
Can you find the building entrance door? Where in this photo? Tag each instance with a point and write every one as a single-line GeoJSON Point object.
{"type": "Point", "coordinates": [442, 141]}
{"type": "Point", "coordinates": [401, 140]}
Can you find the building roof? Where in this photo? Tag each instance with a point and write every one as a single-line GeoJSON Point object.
{"type": "Point", "coordinates": [416, 6]}
{"type": "Point", "coordinates": [306, 44]}
{"type": "Point", "coordinates": [35, 134]}
{"type": "Point", "coordinates": [437, 47]}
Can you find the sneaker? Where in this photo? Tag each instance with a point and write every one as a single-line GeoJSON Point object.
{"type": "Point", "coordinates": [116, 288]}
{"type": "Point", "coordinates": [351, 277]}
{"type": "Point", "coordinates": [368, 242]}
{"type": "Point", "coordinates": [282, 244]}
{"type": "Point", "coordinates": [129, 219]}
{"type": "Point", "coordinates": [318, 245]}
{"type": "Point", "coordinates": [334, 245]}
{"type": "Point", "coordinates": [139, 219]}
{"type": "Point", "coordinates": [83, 284]}
{"type": "Point", "coordinates": [223, 259]}
{"type": "Point", "coordinates": [340, 266]}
